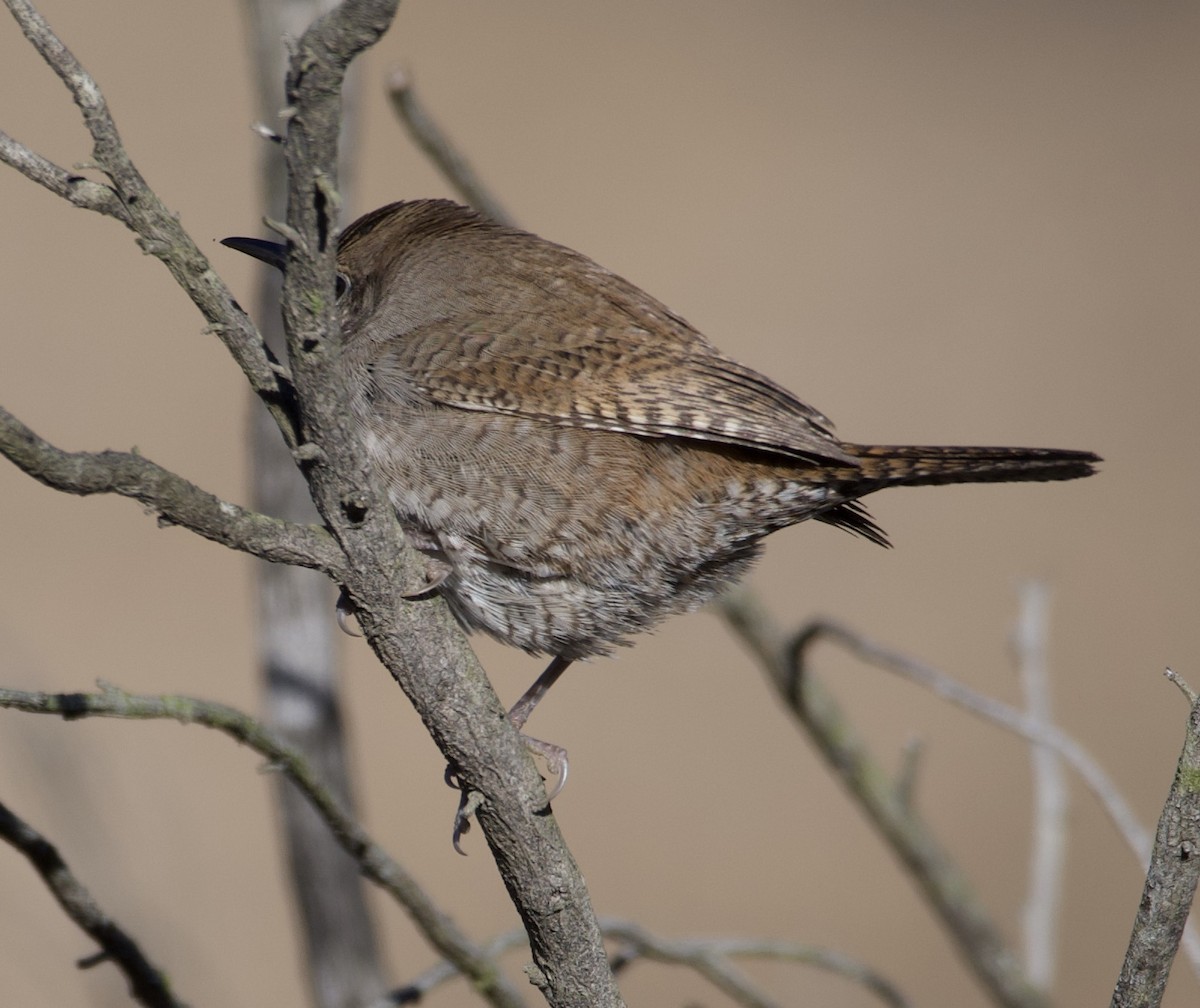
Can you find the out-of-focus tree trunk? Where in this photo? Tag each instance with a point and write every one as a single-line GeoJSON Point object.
{"type": "Point", "coordinates": [297, 656]}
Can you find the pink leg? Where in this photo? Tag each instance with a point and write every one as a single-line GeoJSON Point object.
{"type": "Point", "coordinates": [554, 755]}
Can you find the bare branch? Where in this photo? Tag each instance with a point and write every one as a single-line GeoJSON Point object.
{"type": "Point", "coordinates": [176, 501]}
{"type": "Point", "coordinates": [71, 186]}
{"type": "Point", "coordinates": [1000, 714]}
{"type": "Point", "coordinates": [429, 136]}
{"type": "Point", "coordinates": [375, 863]}
{"type": "Point", "coordinates": [1043, 897]}
{"type": "Point", "coordinates": [947, 889]}
{"type": "Point", "coordinates": [705, 955]}
{"type": "Point", "coordinates": [1048, 736]}
{"type": "Point", "coordinates": [709, 957]}
{"type": "Point", "coordinates": [147, 985]}
{"type": "Point", "coordinates": [130, 200]}
{"type": "Point", "coordinates": [419, 643]}
{"type": "Point", "coordinates": [1170, 883]}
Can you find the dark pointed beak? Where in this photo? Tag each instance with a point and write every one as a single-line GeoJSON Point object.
{"type": "Point", "coordinates": [272, 253]}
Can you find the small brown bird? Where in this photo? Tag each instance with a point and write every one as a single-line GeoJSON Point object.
{"type": "Point", "coordinates": [575, 460]}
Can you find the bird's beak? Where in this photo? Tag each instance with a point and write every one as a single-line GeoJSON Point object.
{"type": "Point", "coordinates": [272, 253]}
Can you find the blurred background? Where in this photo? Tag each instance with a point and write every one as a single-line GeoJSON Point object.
{"type": "Point", "coordinates": [971, 223]}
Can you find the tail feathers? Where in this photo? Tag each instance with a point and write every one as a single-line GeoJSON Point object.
{"type": "Point", "coordinates": [904, 465]}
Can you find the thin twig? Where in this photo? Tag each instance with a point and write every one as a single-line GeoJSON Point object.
{"type": "Point", "coordinates": [949, 892]}
{"type": "Point", "coordinates": [127, 198]}
{"type": "Point", "coordinates": [1049, 736]}
{"type": "Point", "coordinates": [1043, 898]}
{"type": "Point", "coordinates": [708, 957]}
{"type": "Point", "coordinates": [1000, 714]}
{"type": "Point", "coordinates": [705, 955]}
{"type": "Point", "coordinates": [376, 864]}
{"type": "Point", "coordinates": [71, 186]}
{"type": "Point", "coordinates": [147, 984]}
{"type": "Point", "coordinates": [432, 139]}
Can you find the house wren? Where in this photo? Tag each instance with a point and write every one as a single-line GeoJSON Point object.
{"type": "Point", "coordinates": [576, 460]}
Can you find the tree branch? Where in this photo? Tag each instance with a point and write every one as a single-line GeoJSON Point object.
{"type": "Point", "coordinates": [447, 158]}
{"type": "Point", "coordinates": [419, 643]}
{"type": "Point", "coordinates": [71, 186]}
{"type": "Point", "coordinates": [176, 501]}
{"type": "Point", "coordinates": [1171, 881]}
{"type": "Point", "coordinates": [1044, 890]}
{"type": "Point", "coordinates": [374, 862]}
{"type": "Point", "coordinates": [709, 957]}
{"type": "Point", "coordinates": [946, 888]}
{"type": "Point", "coordinates": [130, 200]}
{"type": "Point", "coordinates": [147, 984]}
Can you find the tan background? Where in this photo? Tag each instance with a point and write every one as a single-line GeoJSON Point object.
{"type": "Point", "coordinates": [958, 223]}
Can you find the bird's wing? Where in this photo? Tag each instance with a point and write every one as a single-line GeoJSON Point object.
{"type": "Point", "coordinates": [619, 361]}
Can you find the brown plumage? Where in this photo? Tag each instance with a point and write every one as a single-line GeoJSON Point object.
{"type": "Point", "coordinates": [577, 461]}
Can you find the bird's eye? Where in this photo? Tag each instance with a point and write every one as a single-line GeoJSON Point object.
{"type": "Point", "coordinates": [342, 285]}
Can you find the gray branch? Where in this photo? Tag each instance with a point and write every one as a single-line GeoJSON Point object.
{"type": "Point", "coordinates": [1171, 882]}
{"type": "Point", "coordinates": [418, 642]}
{"type": "Point", "coordinates": [128, 198]}
{"type": "Point", "coordinates": [298, 656]}
{"type": "Point", "coordinates": [171, 497]}
{"type": "Point", "coordinates": [948, 891]}
{"type": "Point", "coordinates": [374, 862]}
{"type": "Point", "coordinates": [147, 984]}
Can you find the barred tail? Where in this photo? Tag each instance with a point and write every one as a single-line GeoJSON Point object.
{"type": "Point", "coordinates": [917, 465]}
{"type": "Point", "coordinates": [883, 466]}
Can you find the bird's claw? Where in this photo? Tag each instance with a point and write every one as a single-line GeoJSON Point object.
{"type": "Point", "coordinates": [432, 584]}
{"type": "Point", "coordinates": [469, 800]}
{"type": "Point", "coordinates": [345, 609]}
{"type": "Point", "coordinates": [556, 762]}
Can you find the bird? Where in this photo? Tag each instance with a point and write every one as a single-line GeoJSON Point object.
{"type": "Point", "coordinates": [575, 461]}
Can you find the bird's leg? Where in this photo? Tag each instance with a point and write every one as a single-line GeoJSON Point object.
{"type": "Point", "coordinates": [554, 755]}
{"type": "Point", "coordinates": [524, 707]}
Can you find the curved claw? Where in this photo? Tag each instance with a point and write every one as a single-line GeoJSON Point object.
{"type": "Point", "coordinates": [345, 609]}
{"type": "Point", "coordinates": [468, 802]}
{"type": "Point", "coordinates": [429, 587]}
{"type": "Point", "coordinates": [556, 762]}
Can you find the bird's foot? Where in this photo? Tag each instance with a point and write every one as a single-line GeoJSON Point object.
{"type": "Point", "coordinates": [556, 762]}
{"type": "Point", "coordinates": [469, 800]}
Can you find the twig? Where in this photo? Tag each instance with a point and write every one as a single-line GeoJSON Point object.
{"type": "Point", "coordinates": [708, 957]}
{"type": "Point", "coordinates": [127, 198]}
{"type": "Point", "coordinates": [174, 499]}
{"type": "Point", "coordinates": [1043, 897]}
{"type": "Point", "coordinates": [1000, 714]}
{"type": "Point", "coordinates": [1170, 884]}
{"type": "Point", "coordinates": [442, 972]}
{"type": "Point", "coordinates": [705, 955]}
{"type": "Point", "coordinates": [376, 864]}
{"type": "Point", "coordinates": [1049, 736]}
{"type": "Point", "coordinates": [947, 889]}
{"type": "Point", "coordinates": [147, 985]}
{"type": "Point", "coordinates": [430, 137]}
